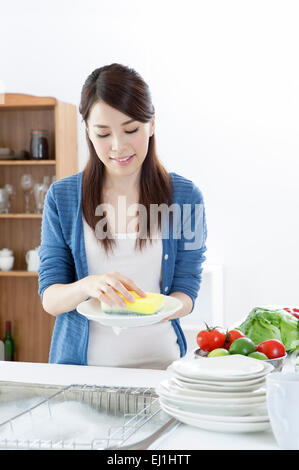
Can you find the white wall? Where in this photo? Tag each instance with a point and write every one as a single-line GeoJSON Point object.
{"type": "Point", "coordinates": [224, 81]}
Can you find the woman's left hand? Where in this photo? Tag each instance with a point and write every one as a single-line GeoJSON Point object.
{"type": "Point", "coordinates": [185, 309]}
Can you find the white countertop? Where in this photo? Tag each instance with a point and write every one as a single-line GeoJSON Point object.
{"type": "Point", "coordinates": [184, 437]}
{"type": "Point", "coordinates": [65, 374]}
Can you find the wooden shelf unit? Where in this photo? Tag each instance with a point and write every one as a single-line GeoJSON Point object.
{"type": "Point", "coordinates": [20, 232]}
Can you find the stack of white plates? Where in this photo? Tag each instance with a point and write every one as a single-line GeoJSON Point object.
{"type": "Point", "coordinates": [225, 394]}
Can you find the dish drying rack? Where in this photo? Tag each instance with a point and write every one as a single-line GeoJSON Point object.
{"type": "Point", "coordinates": [122, 417]}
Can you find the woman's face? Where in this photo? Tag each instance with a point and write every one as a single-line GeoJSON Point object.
{"type": "Point", "coordinates": [115, 138]}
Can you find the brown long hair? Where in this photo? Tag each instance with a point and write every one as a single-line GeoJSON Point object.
{"type": "Point", "coordinates": [122, 88]}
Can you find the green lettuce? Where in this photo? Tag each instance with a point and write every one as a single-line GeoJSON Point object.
{"type": "Point", "coordinates": [262, 324]}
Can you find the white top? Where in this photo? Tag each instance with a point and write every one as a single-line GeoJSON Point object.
{"type": "Point", "coordinates": [153, 346]}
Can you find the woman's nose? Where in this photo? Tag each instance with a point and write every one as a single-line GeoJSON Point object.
{"type": "Point", "coordinates": [117, 143]}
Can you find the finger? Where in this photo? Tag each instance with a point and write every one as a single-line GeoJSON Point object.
{"type": "Point", "coordinates": [115, 298]}
{"type": "Point", "coordinates": [104, 298]}
{"type": "Point", "coordinates": [118, 285]}
{"type": "Point", "coordinates": [106, 295]}
{"type": "Point", "coordinates": [129, 283]}
{"type": "Point", "coordinates": [98, 294]}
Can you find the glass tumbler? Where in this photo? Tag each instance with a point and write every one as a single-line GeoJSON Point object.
{"type": "Point", "coordinates": [39, 148]}
{"type": "Point", "coordinates": [4, 201]}
{"type": "Point", "coordinates": [39, 191]}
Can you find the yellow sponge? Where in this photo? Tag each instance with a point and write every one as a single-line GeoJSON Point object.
{"type": "Point", "coordinates": [148, 305]}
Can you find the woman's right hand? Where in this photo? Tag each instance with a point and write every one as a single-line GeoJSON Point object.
{"type": "Point", "coordinates": [104, 286]}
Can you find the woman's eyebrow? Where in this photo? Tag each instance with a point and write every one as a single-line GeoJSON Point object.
{"type": "Point", "coordinates": [107, 127]}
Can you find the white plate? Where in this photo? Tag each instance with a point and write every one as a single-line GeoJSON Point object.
{"type": "Point", "coordinates": [233, 367]}
{"type": "Point", "coordinates": [224, 383]}
{"type": "Point", "coordinates": [220, 388]}
{"type": "Point", "coordinates": [209, 408]}
{"type": "Point", "coordinates": [219, 426]}
{"type": "Point", "coordinates": [179, 387]}
{"type": "Point", "coordinates": [208, 402]}
{"type": "Point", "coordinates": [258, 415]}
{"type": "Point", "coordinates": [169, 388]}
{"type": "Point", "coordinates": [224, 368]}
{"type": "Point", "coordinates": [92, 310]}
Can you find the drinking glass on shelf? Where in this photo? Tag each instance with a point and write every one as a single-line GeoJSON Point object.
{"type": "Point", "coordinates": [47, 181]}
{"type": "Point", "coordinates": [39, 191]}
{"type": "Point", "coordinates": [27, 186]}
{"type": "Point", "coordinates": [3, 201]}
{"type": "Point", "coordinates": [11, 193]}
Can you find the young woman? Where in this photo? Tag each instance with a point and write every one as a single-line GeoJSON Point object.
{"type": "Point", "coordinates": [90, 241]}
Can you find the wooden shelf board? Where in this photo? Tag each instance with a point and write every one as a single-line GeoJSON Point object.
{"type": "Point", "coordinates": [17, 100]}
{"type": "Point", "coordinates": [21, 216]}
{"type": "Point", "coordinates": [27, 162]}
{"type": "Point", "coordinates": [14, 273]}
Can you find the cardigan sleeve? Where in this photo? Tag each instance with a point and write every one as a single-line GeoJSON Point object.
{"type": "Point", "coordinates": [191, 247]}
{"type": "Point", "coordinates": [56, 260]}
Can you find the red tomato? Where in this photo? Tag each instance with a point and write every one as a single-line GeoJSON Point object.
{"type": "Point", "coordinates": [293, 311]}
{"type": "Point", "coordinates": [210, 339]}
{"type": "Point", "coordinates": [231, 336]}
{"type": "Point", "coordinates": [272, 348]}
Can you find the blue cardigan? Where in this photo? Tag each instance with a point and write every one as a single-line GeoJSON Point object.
{"type": "Point", "coordinates": [63, 259]}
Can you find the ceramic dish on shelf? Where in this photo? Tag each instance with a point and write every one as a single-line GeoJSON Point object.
{"type": "Point", "coordinates": [7, 154]}
{"type": "Point", "coordinates": [5, 151]}
{"type": "Point", "coordinates": [92, 310]}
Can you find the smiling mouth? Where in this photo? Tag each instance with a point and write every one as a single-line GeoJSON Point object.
{"type": "Point", "coordinates": [123, 159]}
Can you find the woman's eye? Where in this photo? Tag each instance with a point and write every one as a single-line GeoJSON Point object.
{"type": "Point", "coordinates": [127, 132]}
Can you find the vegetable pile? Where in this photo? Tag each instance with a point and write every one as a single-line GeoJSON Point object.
{"type": "Point", "coordinates": [215, 342]}
{"type": "Point", "coordinates": [265, 334]}
{"type": "Point", "coordinates": [263, 324]}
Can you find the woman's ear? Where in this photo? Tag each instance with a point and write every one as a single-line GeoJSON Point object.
{"type": "Point", "coordinates": [152, 129]}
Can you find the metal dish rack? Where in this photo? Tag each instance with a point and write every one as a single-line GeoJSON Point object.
{"type": "Point", "coordinates": [80, 417]}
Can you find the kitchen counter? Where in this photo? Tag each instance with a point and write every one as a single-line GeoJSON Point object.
{"type": "Point", "coordinates": [184, 437]}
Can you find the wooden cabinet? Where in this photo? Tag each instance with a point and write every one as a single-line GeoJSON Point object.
{"type": "Point", "coordinates": [20, 232]}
